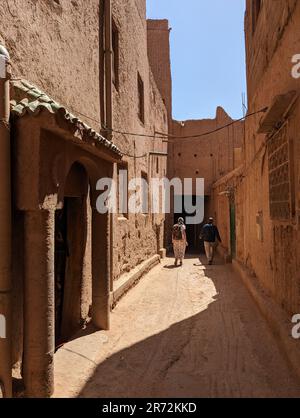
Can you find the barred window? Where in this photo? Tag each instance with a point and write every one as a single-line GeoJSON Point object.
{"type": "Point", "coordinates": [282, 192]}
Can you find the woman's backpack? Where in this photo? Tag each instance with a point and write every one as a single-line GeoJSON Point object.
{"type": "Point", "coordinates": [177, 232]}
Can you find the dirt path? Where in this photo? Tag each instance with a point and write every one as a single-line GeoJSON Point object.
{"type": "Point", "coordinates": [187, 332]}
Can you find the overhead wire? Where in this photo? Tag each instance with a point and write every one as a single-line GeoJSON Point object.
{"type": "Point", "coordinates": [160, 135]}
{"type": "Point", "coordinates": [164, 136]}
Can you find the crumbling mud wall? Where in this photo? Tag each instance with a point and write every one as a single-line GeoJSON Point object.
{"type": "Point", "coordinates": [55, 45]}
{"type": "Point", "coordinates": [228, 206]}
{"type": "Point", "coordinates": [158, 33]}
{"type": "Point", "coordinates": [136, 236]}
{"type": "Point", "coordinates": [271, 244]}
{"type": "Point", "coordinates": [209, 156]}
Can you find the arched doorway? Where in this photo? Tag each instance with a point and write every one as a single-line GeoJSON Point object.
{"type": "Point", "coordinates": [70, 245]}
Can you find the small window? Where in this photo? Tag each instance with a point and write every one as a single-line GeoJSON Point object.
{"type": "Point", "coordinates": [141, 99]}
{"type": "Point", "coordinates": [115, 55]}
{"type": "Point", "coordinates": [145, 193]}
{"type": "Point", "coordinates": [157, 165]}
{"type": "Point", "coordinates": [123, 190]}
{"type": "Point", "coordinates": [256, 7]}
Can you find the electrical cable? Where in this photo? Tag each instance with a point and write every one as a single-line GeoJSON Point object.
{"type": "Point", "coordinates": [257, 154]}
{"type": "Point", "coordinates": [130, 155]}
{"type": "Point", "coordinates": [164, 136]}
{"type": "Point", "coordinates": [160, 135]}
{"type": "Point", "coordinates": [133, 156]}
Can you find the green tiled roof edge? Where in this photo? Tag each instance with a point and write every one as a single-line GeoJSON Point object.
{"type": "Point", "coordinates": [41, 100]}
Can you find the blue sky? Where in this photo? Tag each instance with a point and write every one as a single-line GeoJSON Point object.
{"type": "Point", "coordinates": [208, 55]}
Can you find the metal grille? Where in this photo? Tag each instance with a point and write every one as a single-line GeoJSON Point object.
{"type": "Point", "coordinates": [279, 176]}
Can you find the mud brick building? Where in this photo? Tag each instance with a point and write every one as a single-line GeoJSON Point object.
{"type": "Point", "coordinates": [271, 187]}
{"type": "Point", "coordinates": [206, 156]}
{"type": "Point", "coordinates": [81, 81]}
{"type": "Point", "coordinates": [197, 155]}
{"type": "Point", "coordinates": [262, 196]}
{"type": "Point", "coordinates": [87, 94]}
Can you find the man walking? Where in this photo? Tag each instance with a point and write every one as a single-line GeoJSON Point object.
{"type": "Point", "coordinates": [210, 235]}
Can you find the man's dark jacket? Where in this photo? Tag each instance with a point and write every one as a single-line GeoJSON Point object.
{"type": "Point", "coordinates": [210, 233]}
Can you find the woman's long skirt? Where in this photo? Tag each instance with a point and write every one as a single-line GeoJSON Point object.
{"type": "Point", "coordinates": [179, 249]}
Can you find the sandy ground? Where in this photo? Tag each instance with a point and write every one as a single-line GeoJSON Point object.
{"type": "Point", "coordinates": [186, 332]}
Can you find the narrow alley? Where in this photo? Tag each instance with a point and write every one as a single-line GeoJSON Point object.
{"type": "Point", "coordinates": [131, 132]}
{"type": "Point", "coordinates": [187, 332]}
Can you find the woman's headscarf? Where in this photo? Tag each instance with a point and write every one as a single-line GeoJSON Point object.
{"type": "Point", "coordinates": [181, 221]}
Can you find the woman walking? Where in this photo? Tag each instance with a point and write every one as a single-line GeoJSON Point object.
{"type": "Point", "coordinates": [179, 241]}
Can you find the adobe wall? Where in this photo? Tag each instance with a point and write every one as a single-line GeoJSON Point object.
{"type": "Point", "coordinates": [158, 33]}
{"type": "Point", "coordinates": [226, 191]}
{"type": "Point", "coordinates": [55, 45]}
{"type": "Point", "coordinates": [274, 257]}
{"type": "Point", "coordinates": [136, 236]}
{"type": "Point", "coordinates": [263, 45]}
{"type": "Point", "coordinates": [210, 156]}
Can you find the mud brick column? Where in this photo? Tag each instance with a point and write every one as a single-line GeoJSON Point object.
{"type": "Point", "coordinates": [39, 309]}
{"type": "Point", "coordinates": [5, 228]}
{"type": "Point", "coordinates": [100, 270]}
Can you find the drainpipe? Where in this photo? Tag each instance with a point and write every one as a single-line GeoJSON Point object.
{"type": "Point", "coordinates": [109, 108]}
{"type": "Point", "coordinates": [108, 67]}
{"type": "Point", "coordinates": [5, 228]}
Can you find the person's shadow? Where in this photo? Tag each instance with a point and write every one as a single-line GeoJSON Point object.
{"type": "Point", "coordinates": [172, 266]}
{"type": "Point", "coordinates": [217, 261]}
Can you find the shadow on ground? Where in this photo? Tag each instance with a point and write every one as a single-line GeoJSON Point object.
{"type": "Point", "coordinates": [225, 350]}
